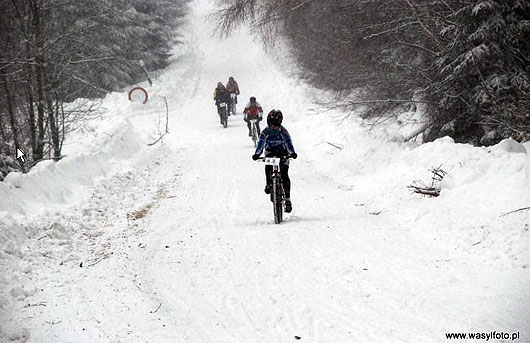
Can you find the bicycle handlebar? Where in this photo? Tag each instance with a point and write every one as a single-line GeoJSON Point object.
{"type": "Point", "coordinates": [282, 159]}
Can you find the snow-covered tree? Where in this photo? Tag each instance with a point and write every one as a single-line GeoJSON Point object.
{"type": "Point", "coordinates": [484, 72]}
{"type": "Point", "coordinates": [56, 51]}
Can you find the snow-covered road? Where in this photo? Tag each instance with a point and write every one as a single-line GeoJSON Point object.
{"type": "Point", "coordinates": [185, 248]}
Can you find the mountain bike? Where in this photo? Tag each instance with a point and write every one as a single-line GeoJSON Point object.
{"type": "Point", "coordinates": [277, 192]}
{"type": "Point", "coordinates": [254, 131]}
{"type": "Point", "coordinates": [233, 103]}
{"type": "Point", "coordinates": [223, 114]}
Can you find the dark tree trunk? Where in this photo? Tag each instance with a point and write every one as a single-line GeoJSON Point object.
{"type": "Point", "coordinates": [31, 121]}
{"type": "Point", "coordinates": [39, 73]}
{"type": "Point", "coordinates": [54, 130]}
{"type": "Point", "coordinates": [11, 113]}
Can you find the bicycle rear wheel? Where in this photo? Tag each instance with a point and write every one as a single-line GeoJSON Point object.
{"type": "Point", "coordinates": [224, 118]}
{"type": "Point", "coordinates": [277, 200]}
{"type": "Point", "coordinates": [233, 104]}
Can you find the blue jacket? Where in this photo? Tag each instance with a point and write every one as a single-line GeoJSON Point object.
{"type": "Point", "coordinates": [275, 142]}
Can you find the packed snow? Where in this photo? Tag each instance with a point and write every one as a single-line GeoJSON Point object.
{"type": "Point", "coordinates": [122, 241]}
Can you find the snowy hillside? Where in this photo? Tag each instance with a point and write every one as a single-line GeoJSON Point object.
{"type": "Point", "coordinates": [175, 242]}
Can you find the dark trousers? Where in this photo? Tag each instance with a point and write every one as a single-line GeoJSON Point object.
{"type": "Point", "coordinates": [284, 173]}
{"type": "Point", "coordinates": [250, 127]}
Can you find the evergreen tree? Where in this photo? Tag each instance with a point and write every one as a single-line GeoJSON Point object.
{"type": "Point", "coordinates": [484, 72]}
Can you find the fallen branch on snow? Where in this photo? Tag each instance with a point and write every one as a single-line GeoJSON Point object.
{"type": "Point", "coordinates": [434, 188]}
{"type": "Point", "coordinates": [521, 209]}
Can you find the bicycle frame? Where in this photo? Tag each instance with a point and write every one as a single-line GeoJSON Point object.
{"type": "Point", "coordinates": [277, 192]}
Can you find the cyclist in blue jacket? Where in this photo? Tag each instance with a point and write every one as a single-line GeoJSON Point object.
{"type": "Point", "coordinates": [276, 142]}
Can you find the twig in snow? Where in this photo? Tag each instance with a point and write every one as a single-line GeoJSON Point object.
{"type": "Point", "coordinates": [167, 124]}
{"type": "Point", "coordinates": [42, 303]}
{"type": "Point", "coordinates": [521, 209]}
{"type": "Point", "coordinates": [54, 322]}
{"type": "Point", "coordinates": [93, 264]}
{"type": "Point", "coordinates": [337, 146]}
{"type": "Point", "coordinates": [137, 286]}
{"type": "Point", "coordinates": [477, 243]}
{"type": "Point", "coordinates": [46, 235]}
{"type": "Point", "coordinates": [156, 309]}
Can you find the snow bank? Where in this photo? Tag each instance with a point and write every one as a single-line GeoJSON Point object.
{"type": "Point", "coordinates": [57, 215]}
{"type": "Point", "coordinates": [491, 179]}
{"type": "Point", "coordinates": [52, 185]}
{"type": "Point", "coordinates": [482, 183]}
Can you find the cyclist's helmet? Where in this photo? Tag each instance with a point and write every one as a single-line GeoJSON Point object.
{"type": "Point", "coordinates": [274, 118]}
{"type": "Point", "coordinates": [252, 99]}
{"type": "Point", "coordinates": [219, 84]}
{"type": "Point", "coordinates": [231, 79]}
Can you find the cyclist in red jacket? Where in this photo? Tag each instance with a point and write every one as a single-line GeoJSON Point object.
{"type": "Point", "coordinates": [232, 86]}
{"type": "Point", "coordinates": [253, 110]}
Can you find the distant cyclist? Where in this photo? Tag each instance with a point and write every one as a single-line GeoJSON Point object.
{"type": "Point", "coordinates": [253, 110]}
{"type": "Point", "coordinates": [233, 88]}
{"type": "Point", "coordinates": [220, 95]}
{"type": "Point", "coordinates": [276, 142]}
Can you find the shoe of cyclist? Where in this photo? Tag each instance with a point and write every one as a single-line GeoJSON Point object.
{"type": "Point", "coordinates": [288, 206]}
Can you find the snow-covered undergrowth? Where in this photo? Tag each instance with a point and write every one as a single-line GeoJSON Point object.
{"type": "Point", "coordinates": [125, 242]}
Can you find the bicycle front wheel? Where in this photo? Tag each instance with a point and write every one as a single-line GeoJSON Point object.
{"type": "Point", "coordinates": [277, 200]}
{"type": "Point", "coordinates": [254, 135]}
